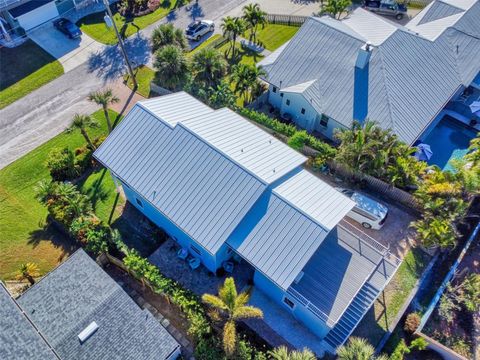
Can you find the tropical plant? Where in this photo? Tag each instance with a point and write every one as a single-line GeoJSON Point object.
{"type": "Point", "coordinates": [167, 34]}
{"type": "Point", "coordinates": [245, 78]}
{"type": "Point", "coordinates": [61, 164]}
{"type": "Point", "coordinates": [336, 8]}
{"type": "Point", "coordinates": [171, 65]}
{"type": "Point", "coordinates": [358, 349]}
{"type": "Point", "coordinates": [474, 151]}
{"type": "Point", "coordinates": [254, 16]}
{"type": "Point", "coordinates": [82, 122]}
{"type": "Point", "coordinates": [434, 232]}
{"type": "Point", "coordinates": [221, 96]}
{"type": "Point", "coordinates": [282, 353]}
{"type": "Point", "coordinates": [104, 99]}
{"type": "Point", "coordinates": [208, 67]}
{"type": "Point", "coordinates": [371, 150]}
{"type": "Point", "coordinates": [90, 231]}
{"type": "Point", "coordinates": [412, 322]}
{"type": "Point", "coordinates": [28, 271]}
{"type": "Point", "coordinates": [298, 140]}
{"type": "Point", "coordinates": [232, 307]}
{"type": "Point", "coordinates": [231, 28]}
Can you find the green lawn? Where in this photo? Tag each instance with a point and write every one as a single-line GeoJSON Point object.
{"type": "Point", "coordinates": [23, 69]}
{"type": "Point", "coordinates": [23, 237]}
{"type": "Point", "coordinates": [377, 320]}
{"type": "Point", "coordinates": [94, 26]}
{"type": "Point", "coordinates": [144, 76]}
{"type": "Point", "coordinates": [272, 36]}
{"type": "Point", "coordinates": [206, 44]}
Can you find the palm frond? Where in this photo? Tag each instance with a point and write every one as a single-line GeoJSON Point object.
{"type": "Point", "coordinates": [229, 337]}
{"type": "Point", "coordinates": [246, 312]}
{"type": "Point", "coordinates": [214, 301]}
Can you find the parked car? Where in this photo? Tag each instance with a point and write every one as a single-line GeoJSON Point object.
{"type": "Point", "coordinates": [68, 28]}
{"type": "Point", "coordinates": [198, 28]}
{"type": "Point", "coordinates": [387, 8]}
{"type": "Point", "coordinates": [367, 211]}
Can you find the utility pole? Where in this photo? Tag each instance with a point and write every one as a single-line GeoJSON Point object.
{"type": "Point", "coordinates": [120, 41]}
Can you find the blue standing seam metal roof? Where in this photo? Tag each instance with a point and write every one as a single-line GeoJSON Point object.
{"type": "Point", "coordinates": [19, 340]}
{"type": "Point", "coordinates": [325, 50]}
{"type": "Point", "coordinates": [79, 292]}
{"type": "Point", "coordinates": [191, 183]}
{"type": "Point", "coordinates": [439, 10]}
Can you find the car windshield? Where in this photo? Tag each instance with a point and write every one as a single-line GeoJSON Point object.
{"type": "Point", "coordinates": [70, 26]}
{"type": "Point", "coordinates": [194, 25]}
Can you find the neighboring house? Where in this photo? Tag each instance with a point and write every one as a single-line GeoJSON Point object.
{"type": "Point", "coordinates": [365, 66]}
{"type": "Point", "coordinates": [47, 320]}
{"type": "Point", "coordinates": [220, 186]}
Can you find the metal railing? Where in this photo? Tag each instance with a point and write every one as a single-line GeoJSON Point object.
{"type": "Point", "coordinates": [305, 302]}
{"type": "Point", "coordinates": [294, 20]}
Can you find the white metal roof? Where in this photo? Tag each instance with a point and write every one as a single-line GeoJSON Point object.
{"type": "Point", "coordinates": [246, 144]}
{"type": "Point", "coordinates": [315, 198]}
{"type": "Point", "coordinates": [175, 107]}
{"type": "Point", "coordinates": [299, 88]}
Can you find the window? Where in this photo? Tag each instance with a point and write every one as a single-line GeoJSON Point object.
{"type": "Point", "coordinates": [274, 89]}
{"type": "Point", "coordinates": [281, 94]}
{"type": "Point", "coordinates": [288, 302]}
{"type": "Point", "coordinates": [139, 202]}
{"type": "Point", "coordinates": [287, 102]}
{"type": "Point", "coordinates": [195, 250]}
{"type": "Point", "coordinates": [324, 120]}
{"type": "Point", "coordinates": [302, 111]}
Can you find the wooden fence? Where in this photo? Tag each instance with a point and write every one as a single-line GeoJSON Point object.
{"type": "Point", "coordinates": [294, 20]}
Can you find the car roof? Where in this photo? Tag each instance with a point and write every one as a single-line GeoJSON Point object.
{"type": "Point", "coordinates": [368, 204]}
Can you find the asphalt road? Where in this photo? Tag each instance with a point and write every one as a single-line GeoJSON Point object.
{"type": "Point", "coordinates": [44, 113]}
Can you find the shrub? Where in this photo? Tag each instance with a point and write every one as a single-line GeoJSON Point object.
{"type": "Point", "coordinates": [61, 164]}
{"type": "Point", "coordinates": [91, 233]}
{"type": "Point", "coordinates": [419, 344]}
{"type": "Point", "coordinates": [412, 322]}
{"type": "Point", "coordinates": [167, 34]}
{"type": "Point", "coordinates": [298, 140]}
{"type": "Point", "coordinates": [273, 124]}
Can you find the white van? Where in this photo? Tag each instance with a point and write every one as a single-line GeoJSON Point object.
{"type": "Point", "coordinates": [368, 212]}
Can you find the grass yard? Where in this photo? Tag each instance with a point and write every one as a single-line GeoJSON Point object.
{"type": "Point", "coordinates": [19, 78]}
{"type": "Point", "coordinates": [378, 319]}
{"type": "Point", "coordinates": [144, 76]}
{"type": "Point", "coordinates": [94, 26]}
{"type": "Point", "coordinates": [206, 44]}
{"type": "Point", "coordinates": [23, 236]}
{"type": "Point", "coordinates": [272, 36]}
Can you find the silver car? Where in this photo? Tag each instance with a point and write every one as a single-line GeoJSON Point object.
{"type": "Point", "coordinates": [198, 28]}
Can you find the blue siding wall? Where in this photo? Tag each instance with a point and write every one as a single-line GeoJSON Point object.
{"type": "Point", "coordinates": [161, 221]}
{"type": "Point", "coordinates": [299, 312]}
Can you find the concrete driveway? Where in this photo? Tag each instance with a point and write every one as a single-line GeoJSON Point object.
{"type": "Point", "coordinates": [69, 52]}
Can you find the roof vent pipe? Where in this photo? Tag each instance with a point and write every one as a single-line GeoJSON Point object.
{"type": "Point", "coordinates": [368, 46]}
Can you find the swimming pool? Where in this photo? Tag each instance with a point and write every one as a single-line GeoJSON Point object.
{"type": "Point", "coordinates": [449, 139]}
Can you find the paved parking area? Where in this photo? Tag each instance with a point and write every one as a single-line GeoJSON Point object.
{"type": "Point", "coordinates": [70, 52]}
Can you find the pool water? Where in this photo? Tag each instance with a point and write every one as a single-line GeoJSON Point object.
{"type": "Point", "coordinates": [448, 140]}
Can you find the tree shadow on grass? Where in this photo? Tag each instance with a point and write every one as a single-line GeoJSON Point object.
{"type": "Point", "coordinates": [55, 237]}
{"type": "Point", "coordinates": [97, 192]}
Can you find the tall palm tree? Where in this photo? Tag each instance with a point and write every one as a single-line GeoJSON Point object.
{"type": "Point", "coordinates": [82, 122]}
{"type": "Point", "coordinates": [254, 16]}
{"type": "Point", "coordinates": [28, 271]}
{"type": "Point", "coordinates": [104, 98]}
{"type": "Point", "coordinates": [231, 28]}
{"type": "Point", "coordinates": [358, 349]}
{"type": "Point", "coordinates": [171, 65]}
{"type": "Point", "coordinates": [209, 67]}
{"type": "Point", "coordinates": [282, 353]}
{"type": "Point", "coordinates": [233, 307]}
{"type": "Point", "coordinates": [167, 34]}
{"type": "Point", "coordinates": [246, 78]}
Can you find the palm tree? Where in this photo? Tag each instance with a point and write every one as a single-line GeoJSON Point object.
{"type": "Point", "coordinates": [358, 349]}
{"type": "Point", "coordinates": [167, 34]}
{"type": "Point", "coordinates": [104, 98]}
{"type": "Point", "coordinates": [209, 66]}
{"type": "Point", "coordinates": [82, 122]}
{"type": "Point", "coordinates": [28, 271]}
{"type": "Point", "coordinates": [231, 28]}
{"type": "Point", "coordinates": [282, 353]}
{"type": "Point", "coordinates": [246, 78]}
{"type": "Point", "coordinates": [254, 16]}
{"type": "Point", "coordinates": [171, 65]}
{"type": "Point", "coordinates": [233, 307]}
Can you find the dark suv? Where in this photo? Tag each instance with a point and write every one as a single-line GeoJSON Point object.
{"type": "Point", "coordinates": [68, 28]}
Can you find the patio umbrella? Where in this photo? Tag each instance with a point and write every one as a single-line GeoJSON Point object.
{"type": "Point", "coordinates": [424, 152]}
{"type": "Point", "coordinates": [475, 107]}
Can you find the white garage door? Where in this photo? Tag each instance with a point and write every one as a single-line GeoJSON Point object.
{"type": "Point", "coordinates": [38, 16]}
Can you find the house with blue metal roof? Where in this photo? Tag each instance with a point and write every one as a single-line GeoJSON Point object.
{"type": "Point", "coordinates": [77, 311]}
{"type": "Point", "coordinates": [421, 80]}
{"type": "Point", "coordinates": [223, 188]}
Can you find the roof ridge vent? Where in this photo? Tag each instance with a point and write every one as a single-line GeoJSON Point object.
{"type": "Point", "coordinates": [87, 332]}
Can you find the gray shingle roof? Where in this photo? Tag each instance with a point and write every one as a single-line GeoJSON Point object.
{"type": "Point", "coordinates": [19, 340]}
{"type": "Point", "coordinates": [78, 292]}
{"type": "Point", "coordinates": [410, 77]}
